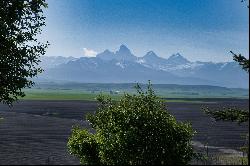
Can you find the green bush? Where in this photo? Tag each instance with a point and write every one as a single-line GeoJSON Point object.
{"type": "Point", "coordinates": [84, 146]}
{"type": "Point", "coordinates": [135, 130]}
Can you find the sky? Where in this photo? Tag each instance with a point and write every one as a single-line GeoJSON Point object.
{"type": "Point", "coordinates": [200, 30]}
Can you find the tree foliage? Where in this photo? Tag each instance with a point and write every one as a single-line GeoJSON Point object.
{"type": "Point", "coordinates": [135, 130]}
{"type": "Point", "coordinates": [84, 146]}
{"type": "Point", "coordinates": [20, 23]}
{"type": "Point", "coordinates": [229, 114]}
{"type": "Point", "coordinates": [246, 1]}
{"type": "Point", "coordinates": [243, 61]}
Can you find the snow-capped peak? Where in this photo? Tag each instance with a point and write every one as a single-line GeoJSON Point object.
{"type": "Point", "coordinates": [124, 54]}
{"type": "Point", "coordinates": [150, 54]}
{"type": "Point", "coordinates": [124, 50]}
{"type": "Point", "coordinates": [177, 58]}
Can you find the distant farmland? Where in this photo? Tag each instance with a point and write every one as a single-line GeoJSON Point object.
{"type": "Point", "coordinates": [89, 91]}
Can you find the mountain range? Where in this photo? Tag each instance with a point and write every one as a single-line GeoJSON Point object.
{"type": "Point", "coordinates": [122, 66]}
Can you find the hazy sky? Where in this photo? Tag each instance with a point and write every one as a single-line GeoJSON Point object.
{"type": "Point", "coordinates": [204, 30]}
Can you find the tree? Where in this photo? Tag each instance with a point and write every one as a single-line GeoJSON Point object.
{"type": "Point", "coordinates": [234, 114]}
{"type": "Point", "coordinates": [229, 114]}
{"type": "Point", "coordinates": [20, 23]}
{"type": "Point", "coordinates": [135, 130]}
{"type": "Point", "coordinates": [243, 62]}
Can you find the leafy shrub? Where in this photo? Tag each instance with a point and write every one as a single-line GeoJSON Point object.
{"type": "Point", "coordinates": [135, 130]}
{"type": "Point", "coordinates": [84, 146]}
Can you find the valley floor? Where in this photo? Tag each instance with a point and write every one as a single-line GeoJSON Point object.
{"type": "Point", "coordinates": [36, 132]}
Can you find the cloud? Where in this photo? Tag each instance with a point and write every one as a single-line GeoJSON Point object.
{"type": "Point", "coordinates": [89, 52]}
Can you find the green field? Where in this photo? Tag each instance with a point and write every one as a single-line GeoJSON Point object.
{"type": "Point", "coordinates": [45, 94]}
{"type": "Point", "coordinates": [71, 95]}
{"type": "Point", "coordinates": [88, 91]}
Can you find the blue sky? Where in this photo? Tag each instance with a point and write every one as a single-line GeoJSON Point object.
{"type": "Point", "coordinates": [204, 30]}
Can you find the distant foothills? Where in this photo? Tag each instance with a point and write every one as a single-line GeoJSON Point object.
{"type": "Point", "coordinates": [122, 66]}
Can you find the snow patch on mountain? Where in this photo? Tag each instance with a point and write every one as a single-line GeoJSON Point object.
{"type": "Point", "coordinates": [140, 61]}
{"type": "Point", "coordinates": [120, 64]}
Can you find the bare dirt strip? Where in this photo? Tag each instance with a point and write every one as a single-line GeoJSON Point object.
{"type": "Point", "coordinates": [36, 132]}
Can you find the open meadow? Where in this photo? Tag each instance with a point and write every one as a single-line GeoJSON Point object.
{"type": "Point", "coordinates": [89, 91]}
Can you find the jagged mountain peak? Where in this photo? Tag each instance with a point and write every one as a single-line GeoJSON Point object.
{"type": "Point", "coordinates": [106, 55]}
{"type": "Point", "coordinates": [107, 51]}
{"type": "Point", "coordinates": [153, 60]}
{"type": "Point", "coordinates": [122, 54]}
{"type": "Point", "coordinates": [177, 55]}
{"type": "Point", "coordinates": [177, 58]}
{"type": "Point", "coordinates": [150, 54]}
{"type": "Point", "coordinates": [123, 50]}
{"type": "Point", "coordinates": [123, 46]}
